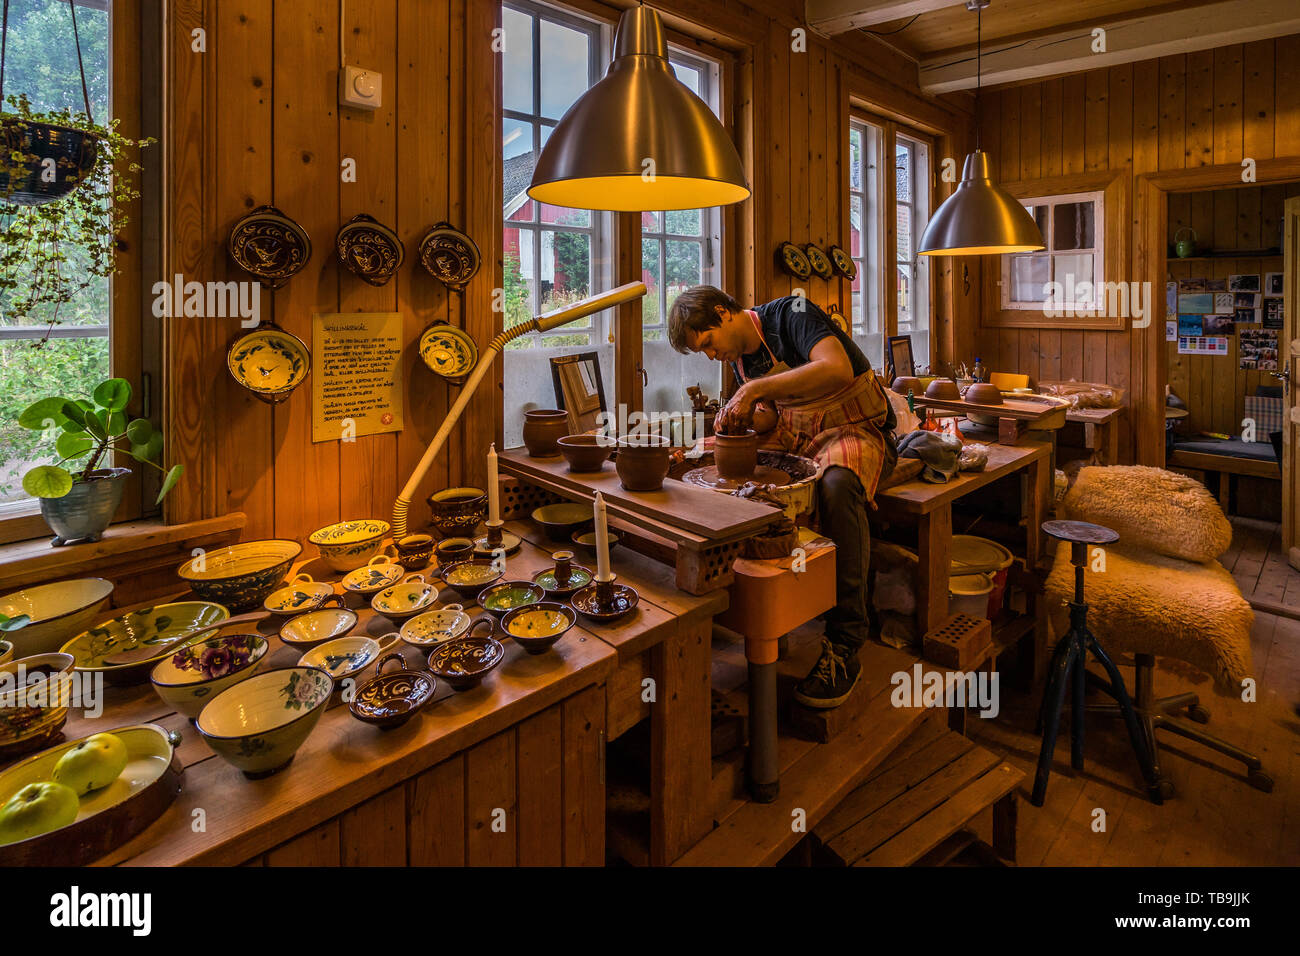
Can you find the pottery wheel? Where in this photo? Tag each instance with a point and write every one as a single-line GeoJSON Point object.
{"type": "Point", "coordinates": [708, 477]}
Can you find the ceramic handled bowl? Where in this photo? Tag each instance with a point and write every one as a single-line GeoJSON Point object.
{"type": "Point", "coordinates": [389, 700]}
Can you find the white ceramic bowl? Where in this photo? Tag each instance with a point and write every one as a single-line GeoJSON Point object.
{"type": "Point", "coordinates": [312, 628]}
{"type": "Point", "coordinates": [300, 595]}
{"type": "Point", "coordinates": [196, 673]}
{"type": "Point", "coordinates": [347, 545]}
{"type": "Point", "coordinates": [405, 599]}
{"type": "Point", "coordinates": [433, 627]}
{"type": "Point", "coordinates": [378, 573]}
{"type": "Point", "coordinates": [57, 612]}
{"type": "Point", "coordinates": [345, 657]}
{"type": "Point", "coordinates": [258, 724]}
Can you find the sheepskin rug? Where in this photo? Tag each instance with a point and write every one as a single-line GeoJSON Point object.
{"type": "Point", "coordinates": [1158, 510]}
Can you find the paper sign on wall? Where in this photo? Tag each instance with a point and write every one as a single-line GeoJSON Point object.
{"type": "Point", "coordinates": [356, 380]}
{"type": "Point", "coordinates": [1202, 345]}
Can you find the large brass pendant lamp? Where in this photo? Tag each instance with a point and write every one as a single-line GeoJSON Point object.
{"type": "Point", "coordinates": [979, 219]}
{"type": "Point", "coordinates": [639, 139]}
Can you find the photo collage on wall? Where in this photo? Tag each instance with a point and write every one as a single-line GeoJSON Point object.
{"type": "Point", "coordinates": [1201, 314]}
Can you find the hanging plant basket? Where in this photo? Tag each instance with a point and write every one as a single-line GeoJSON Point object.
{"type": "Point", "coordinates": [42, 162]}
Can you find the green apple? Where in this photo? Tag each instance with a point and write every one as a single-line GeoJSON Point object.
{"type": "Point", "coordinates": [93, 763]}
{"type": "Point", "coordinates": [35, 809]}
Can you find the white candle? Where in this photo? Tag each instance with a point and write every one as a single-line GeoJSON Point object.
{"type": "Point", "coordinates": [602, 540]}
{"type": "Point", "coordinates": [494, 504]}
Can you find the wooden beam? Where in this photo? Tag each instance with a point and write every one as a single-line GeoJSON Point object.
{"type": "Point", "coordinates": [829, 17]}
{"type": "Point", "coordinates": [1070, 50]}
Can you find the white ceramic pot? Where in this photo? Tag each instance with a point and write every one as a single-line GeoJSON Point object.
{"type": "Point", "coordinates": [57, 611]}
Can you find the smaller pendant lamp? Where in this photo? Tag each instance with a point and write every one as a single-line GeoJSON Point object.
{"type": "Point", "coordinates": [979, 219]}
{"type": "Point", "coordinates": [639, 139]}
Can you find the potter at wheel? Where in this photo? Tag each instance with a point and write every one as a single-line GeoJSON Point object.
{"type": "Point", "coordinates": [708, 477]}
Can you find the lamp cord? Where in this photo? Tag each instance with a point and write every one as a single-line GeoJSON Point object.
{"type": "Point", "coordinates": [979, 75]}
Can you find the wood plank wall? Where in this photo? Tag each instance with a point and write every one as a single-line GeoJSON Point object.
{"type": "Point", "coordinates": [1215, 388]}
{"type": "Point", "coordinates": [1196, 109]}
{"type": "Point", "coordinates": [255, 120]}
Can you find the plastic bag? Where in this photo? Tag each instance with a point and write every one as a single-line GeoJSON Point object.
{"type": "Point", "coordinates": [1084, 394]}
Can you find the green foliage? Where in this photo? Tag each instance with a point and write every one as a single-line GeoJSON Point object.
{"type": "Point", "coordinates": [86, 431]}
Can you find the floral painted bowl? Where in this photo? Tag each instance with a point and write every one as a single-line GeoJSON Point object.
{"type": "Point", "coordinates": [156, 625]}
{"type": "Point", "coordinates": [464, 662]}
{"type": "Point", "coordinates": [258, 724]}
{"type": "Point", "coordinates": [434, 627]}
{"type": "Point", "coordinates": [269, 362]}
{"type": "Point", "coordinates": [196, 673]}
{"type": "Point", "coordinates": [242, 575]}
{"type": "Point", "coordinates": [536, 627]}
{"type": "Point", "coordinates": [346, 657]}
{"type": "Point", "coordinates": [390, 700]}
{"type": "Point", "coordinates": [378, 573]}
{"type": "Point", "coordinates": [405, 599]}
{"type": "Point", "coordinates": [300, 595]}
{"type": "Point", "coordinates": [30, 719]}
{"type": "Point", "coordinates": [316, 627]}
{"type": "Point", "coordinates": [56, 612]}
{"type": "Point", "coordinates": [448, 351]}
{"type": "Point", "coordinates": [347, 545]}
{"type": "Point", "coordinates": [501, 598]}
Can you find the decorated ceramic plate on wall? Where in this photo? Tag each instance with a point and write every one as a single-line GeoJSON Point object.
{"type": "Point", "coordinates": [843, 263]}
{"type": "Point", "coordinates": [836, 316]}
{"type": "Point", "coordinates": [794, 261]}
{"type": "Point", "coordinates": [820, 262]}
{"type": "Point", "coordinates": [448, 351]}
{"type": "Point", "coordinates": [270, 245]}
{"type": "Point", "coordinates": [269, 362]}
{"type": "Point", "coordinates": [450, 256]}
{"type": "Point", "coordinates": [369, 249]}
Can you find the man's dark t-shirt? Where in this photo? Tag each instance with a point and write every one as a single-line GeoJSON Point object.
{"type": "Point", "coordinates": [791, 327]}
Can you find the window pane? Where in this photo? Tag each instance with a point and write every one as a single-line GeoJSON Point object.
{"type": "Point", "coordinates": [683, 222]}
{"type": "Point", "coordinates": [855, 158]}
{"type": "Point", "coordinates": [650, 314]}
{"type": "Point", "coordinates": [566, 59]}
{"type": "Point", "coordinates": [904, 273]}
{"type": "Point", "coordinates": [651, 221]}
{"type": "Point", "coordinates": [903, 172]}
{"type": "Point", "coordinates": [1028, 276]}
{"type": "Point", "coordinates": [684, 265]}
{"type": "Point", "coordinates": [566, 271]}
{"type": "Point", "coordinates": [517, 60]}
{"type": "Point", "coordinates": [1073, 226]}
{"type": "Point", "coordinates": [564, 216]}
{"type": "Point", "coordinates": [904, 233]}
{"type": "Point", "coordinates": [520, 287]}
{"type": "Point", "coordinates": [689, 75]}
{"type": "Point", "coordinates": [1071, 271]}
{"type": "Point", "coordinates": [517, 169]}
{"type": "Point", "coordinates": [1042, 218]}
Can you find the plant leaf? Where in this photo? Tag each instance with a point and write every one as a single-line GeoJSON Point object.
{"type": "Point", "coordinates": [169, 482]}
{"type": "Point", "coordinates": [75, 413]}
{"type": "Point", "coordinates": [38, 415]}
{"type": "Point", "coordinates": [95, 425]}
{"type": "Point", "coordinates": [139, 430]}
{"type": "Point", "coordinates": [113, 394]}
{"type": "Point", "coordinates": [73, 444]}
{"type": "Point", "coordinates": [115, 425]}
{"type": "Point", "coordinates": [47, 481]}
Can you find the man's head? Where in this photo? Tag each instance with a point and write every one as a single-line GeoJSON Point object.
{"type": "Point", "coordinates": [706, 319]}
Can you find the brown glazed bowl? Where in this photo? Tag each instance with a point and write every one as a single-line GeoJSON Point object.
{"type": "Point", "coordinates": [905, 382]}
{"type": "Point", "coordinates": [543, 428]}
{"type": "Point", "coordinates": [464, 662]}
{"type": "Point", "coordinates": [535, 627]}
{"type": "Point", "coordinates": [736, 455]}
{"type": "Point", "coordinates": [642, 462]}
{"type": "Point", "coordinates": [457, 511]}
{"type": "Point", "coordinates": [389, 700]}
{"type": "Point", "coordinates": [584, 453]}
{"type": "Point", "coordinates": [984, 393]}
{"type": "Point", "coordinates": [944, 389]}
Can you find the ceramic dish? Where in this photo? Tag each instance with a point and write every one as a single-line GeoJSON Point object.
{"type": "Point", "coordinates": [405, 599]}
{"type": "Point", "coordinates": [819, 260]}
{"type": "Point", "coordinates": [538, 626]}
{"type": "Point", "coordinates": [559, 521]}
{"type": "Point", "coordinates": [458, 511]}
{"type": "Point", "coordinates": [450, 256]}
{"type": "Point", "coordinates": [345, 657]}
{"type": "Point", "coordinates": [837, 319]}
{"type": "Point", "coordinates": [585, 542]}
{"type": "Point", "coordinates": [258, 724]}
{"type": "Point", "coordinates": [192, 676]}
{"type": "Point", "coordinates": [413, 551]}
{"type": "Point", "coordinates": [451, 551]}
{"type": "Point", "coordinates": [348, 545]}
{"type": "Point", "coordinates": [29, 721]}
{"type": "Point", "coordinates": [6, 652]}
{"type": "Point", "coordinates": [270, 245]}
{"type": "Point", "coordinates": [498, 599]}
{"type": "Point", "coordinates": [623, 600]}
{"type": "Point", "coordinates": [300, 595]}
{"type": "Point", "coordinates": [379, 573]}
{"type": "Point", "coordinates": [389, 700]}
{"type": "Point", "coordinates": [56, 611]}
{"type": "Point", "coordinates": [242, 575]}
{"type": "Point", "coordinates": [448, 351]}
{"type": "Point", "coordinates": [944, 389]}
{"type": "Point", "coordinates": [158, 625]}
{"type": "Point", "coordinates": [369, 249]}
{"type": "Point", "coordinates": [557, 585]}
{"type": "Point", "coordinates": [468, 578]}
{"type": "Point", "coordinates": [269, 362]}
{"type": "Point", "coordinates": [434, 627]}
{"type": "Point", "coordinates": [843, 263]}
{"type": "Point", "coordinates": [107, 817]}
{"type": "Point", "coordinates": [793, 260]}
{"type": "Point", "coordinates": [585, 453]}
{"type": "Point", "coordinates": [463, 663]}
{"type": "Point", "coordinates": [316, 627]}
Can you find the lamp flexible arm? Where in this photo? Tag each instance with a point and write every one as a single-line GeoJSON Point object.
{"type": "Point", "coordinates": [542, 323]}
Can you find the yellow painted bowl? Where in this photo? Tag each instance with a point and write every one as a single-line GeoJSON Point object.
{"type": "Point", "coordinates": [269, 362]}
{"type": "Point", "coordinates": [242, 575]}
{"type": "Point", "coordinates": [378, 573]}
{"type": "Point", "coordinates": [347, 545]}
{"type": "Point", "coordinates": [299, 596]}
{"type": "Point", "coordinates": [157, 626]}
{"type": "Point", "coordinates": [258, 724]}
{"type": "Point", "coordinates": [57, 611]}
{"type": "Point", "coordinates": [405, 599]}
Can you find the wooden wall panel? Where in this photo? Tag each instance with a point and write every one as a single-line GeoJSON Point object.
{"type": "Point", "coordinates": [1189, 110]}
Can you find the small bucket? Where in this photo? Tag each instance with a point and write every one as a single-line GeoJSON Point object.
{"type": "Point", "coordinates": [975, 555]}
{"type": "Point", "coordinates": [969, 594]}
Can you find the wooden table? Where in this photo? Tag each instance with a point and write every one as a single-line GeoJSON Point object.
{"type": "Point", "coordinates": [1100, 431]}
{"type": "Point", "coordinates": [930, 505]}
{"type": "Point", "coordinates": [528, 744]}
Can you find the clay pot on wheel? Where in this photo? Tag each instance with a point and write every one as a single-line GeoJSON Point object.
{"type": "Point", "coordinates": [736, 455]}
{"type": "Point", "coordinates": [642, 462]}
{"type": "Point", "coordinates": [543, 427]}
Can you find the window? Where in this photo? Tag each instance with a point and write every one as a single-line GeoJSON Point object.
{"type": "Point", "coordinates": [865, 219]}
{"type": "Point", "coordinates": [1073, 233]}
{"type": "Point", "coordinates": [912, 209]}
{"type": "Point", "coordinates": [552, 256]}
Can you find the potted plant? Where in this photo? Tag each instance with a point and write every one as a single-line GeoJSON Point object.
{"type": "Point", "coordinates": [79, 504]}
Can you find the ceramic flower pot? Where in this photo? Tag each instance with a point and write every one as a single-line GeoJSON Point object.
{"type": "Point", "coordinates": [543, 428]}
{"type": "Point", "coordinates": [736, 455]}
{"type": "Point", "coordinates": [85, 511]}
{"type": "Point", "coordinates": [642, 462]}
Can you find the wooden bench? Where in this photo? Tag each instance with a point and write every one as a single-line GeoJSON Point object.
{"type": "Point", "coordinates": [1225, 466]}
{"type": "Point", "coordinates": [914, 806]}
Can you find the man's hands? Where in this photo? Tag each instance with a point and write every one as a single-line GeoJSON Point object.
{"type": "Point", "coordinates": [737, 415]}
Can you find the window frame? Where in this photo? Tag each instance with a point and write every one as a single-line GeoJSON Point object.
{"type": "Point", "coordinates": [921, 202]}
{"type": "Point", "coordinates": [1097, 250]}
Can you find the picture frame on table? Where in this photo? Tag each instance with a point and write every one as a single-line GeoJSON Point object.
{"type": "Point", "coordinates": [899, 357]}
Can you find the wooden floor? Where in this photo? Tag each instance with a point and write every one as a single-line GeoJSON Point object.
{"type": "Point", "coordinates": [1256, 560]}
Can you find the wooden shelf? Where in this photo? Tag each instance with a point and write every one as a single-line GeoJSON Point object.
{"type": "Point", "coordinates": [1215, 256]}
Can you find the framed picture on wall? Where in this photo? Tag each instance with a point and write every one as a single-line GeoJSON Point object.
{"type": "Point", "coordinates": [900, 357]}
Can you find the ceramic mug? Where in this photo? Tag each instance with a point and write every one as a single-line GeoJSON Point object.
{"type": "Point", "coordinates": [414, 550]}
{"type": "Point", "coordinates": [451, 550]}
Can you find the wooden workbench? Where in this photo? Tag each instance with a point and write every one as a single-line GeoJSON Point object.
{"type": "Point", "coordinates": [1100, 431]}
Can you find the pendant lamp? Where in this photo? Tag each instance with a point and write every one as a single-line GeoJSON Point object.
{"type": "Point", "coordinates": [639, 139]}
{"type": "Point", "coordinates": [979, 219]}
